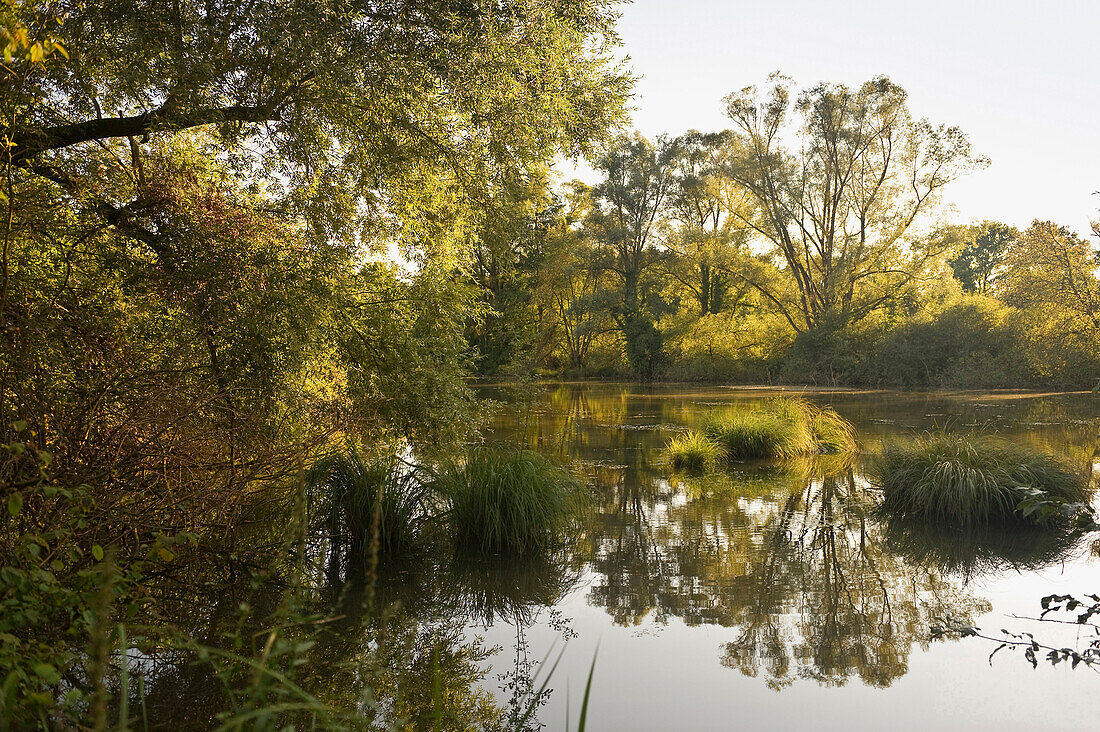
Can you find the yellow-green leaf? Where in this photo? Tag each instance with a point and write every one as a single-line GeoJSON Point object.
{"type": "Point", "coordinates": [15, 503]}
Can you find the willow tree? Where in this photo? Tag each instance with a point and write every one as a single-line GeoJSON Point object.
{"type": "Point", "coordinates": [710, 240]}
{"type": "Point", "coordinates": [629, 206]}
{"type": "Point", "coordinates": [837, 200]}
{"type": "Point", "coordinates": [1051, 267]}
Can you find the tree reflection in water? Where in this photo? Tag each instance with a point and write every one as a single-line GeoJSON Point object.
{"type": "Point", "coordinates": [815, 582]}
{"type": "Point", "coordinates": [792, 557]}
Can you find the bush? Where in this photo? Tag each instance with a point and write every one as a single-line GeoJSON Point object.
{"type": "Point", "coordinates": [971, 481]}
{"type": "Point", "coordinates": [782, 428]}
{"type": "Point", "coordinates": [724, 347]}
{"type": "Point", "coordinates": [344, 488]}
{"type": "Point", "coordinates": [693, 451]}
{"type": "Point", "coordinates": [972, 343]}
{"type": "Point", "coordinates": [828, 354]}
{"type": "Point", "coordinates": [506, 502]}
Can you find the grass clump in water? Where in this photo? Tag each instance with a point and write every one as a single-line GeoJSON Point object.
{"type": "Point", "coordinates": [508, 502]}
{"type": "Point", "coordinates": [693, 451]}
{"type": "Point", "coordinates": [781, 428]}
{"type": "Point", "coordinates": [971, 481]}
{"type": "Point", "coordinates": [344, 489]}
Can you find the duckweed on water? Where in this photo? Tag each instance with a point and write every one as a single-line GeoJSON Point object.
{"type": "Point", "coordinates": [971, 481]}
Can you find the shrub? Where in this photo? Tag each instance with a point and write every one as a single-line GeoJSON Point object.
{"type": "Point", "coordinates": [505, 501]}
{"type": "Point", "coordinates": [782, 428]}
{"type": "Point", "coordinates": [693, 451]}
{"type": "Point", "coordinates": [973, 342]}
{"type": "Point", "coordinates": [971, 481]}
{"type": "Point", "coordinates": [344, 488]}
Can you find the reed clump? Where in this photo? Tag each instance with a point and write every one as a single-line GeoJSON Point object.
{"type": "Point", "coordinates": [972, 481]}
{"type": "Point", "coordinates": [785, 427]}
{"type": "Point", "coordinates": [350, 492]}
{"type": "Point", "coordinates": [508, 502]}
{"type": "Point", "coordinates": [693, 451]}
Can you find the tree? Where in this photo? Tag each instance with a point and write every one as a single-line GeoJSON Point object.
{"type": "Point", "coordinates": [627, 212]}
{"type": "Point", "coordinates": [1050, 267]}
{"type": "Point", "coordinates": [837, 204]}
{"type": "Point", "coordinates": [980, 263]}
{"type": "Point", "coordinates": [573, 281]}
{"type": "Point", "coordinates": [710, 240]}
{"type": "Point", "coordinates": [507, 254]}
{"type": "Point", "coordinates": [341, 132]}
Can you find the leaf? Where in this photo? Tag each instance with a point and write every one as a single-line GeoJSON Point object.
{"type": "Point", "coordinates": [15, 503]}
{"type": "Point", "coordinates": [47, 673]}
{"type": "Point", "coordinates": [97, 552]}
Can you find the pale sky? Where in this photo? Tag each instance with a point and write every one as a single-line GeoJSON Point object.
{"type": "Point", "coordinates": [1022, 79]}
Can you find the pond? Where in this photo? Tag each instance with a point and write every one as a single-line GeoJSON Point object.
{"type": "Point", "coordinates": [773, 596]}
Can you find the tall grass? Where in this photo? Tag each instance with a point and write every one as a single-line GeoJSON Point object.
{"type": "Point", "coordinates": [785, 427]}
{"type": "Point", "coordinates": [344, 488]}
{"type": "Point", "coordinates": [508, 502]}
{"type": "Point", "coordinates": [693, 451]}
{"type": "Point", "coordinates": [970, 481]}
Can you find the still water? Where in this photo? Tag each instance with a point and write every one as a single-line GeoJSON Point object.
{"type": "Point", "coordinates": [774, 596]}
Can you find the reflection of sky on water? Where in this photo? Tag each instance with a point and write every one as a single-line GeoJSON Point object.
{"type": "Point", "coordinates": [706, 595]}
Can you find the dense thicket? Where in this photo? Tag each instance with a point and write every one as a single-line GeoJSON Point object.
{"type": "Point", "coordinates": [232, 233]}
{"type": "Point", "coordinates": [233, 229]}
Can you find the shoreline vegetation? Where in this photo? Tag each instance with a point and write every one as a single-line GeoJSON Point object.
{"type": "Point", "coordinates": [780, 389]}
{"type": "Point", "coordinates": [237, 237]}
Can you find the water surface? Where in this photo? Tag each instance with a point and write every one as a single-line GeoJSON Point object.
{"type": "Point", "coordinates": [775, 596]}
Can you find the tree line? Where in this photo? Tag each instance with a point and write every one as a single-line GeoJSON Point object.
{"type": "Point", "coordinates": [804, 244]}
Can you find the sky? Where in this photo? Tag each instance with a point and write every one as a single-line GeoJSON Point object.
{"type": "Point", "coordinates": [1022, 79]}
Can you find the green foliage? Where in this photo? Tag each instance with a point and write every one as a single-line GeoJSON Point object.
{"type": "Point", "coordinates": [836, 214]}
{"type": "Point", "coordinates": [980, 262]}
{"type": "Point", "coordinates": [785, 427]}
{"type": "Point", "coordinates": [827, 355]}
{"type": "Point", "coordinates": [626, 213]}
{"type": "Point", "coordinates": [971, 481]}
{"type": "Point", "coordinates": [833, 433]}
{"type": "Point", "coordinates": [509, 502]}
{"type": "Point", "coordinates": [693, 451]}
{"type": "Point", "coordinates": [972, 342]}
{"type": "Point", "coordinates": [724, 347]}
{"type": "Point", "coordinates": [60, 592]}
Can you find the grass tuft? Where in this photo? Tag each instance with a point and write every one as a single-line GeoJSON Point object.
{"type": "Point", "coordinates": [510, 502]}
{"type": "Point", "coordinates": [785, 427]}
{"type": "Point", "coordinates": [971, 481]}
{"type": "Point", "coordinates": [344, 487]}
{"type": "Point", "coordinates": [693, 451]}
